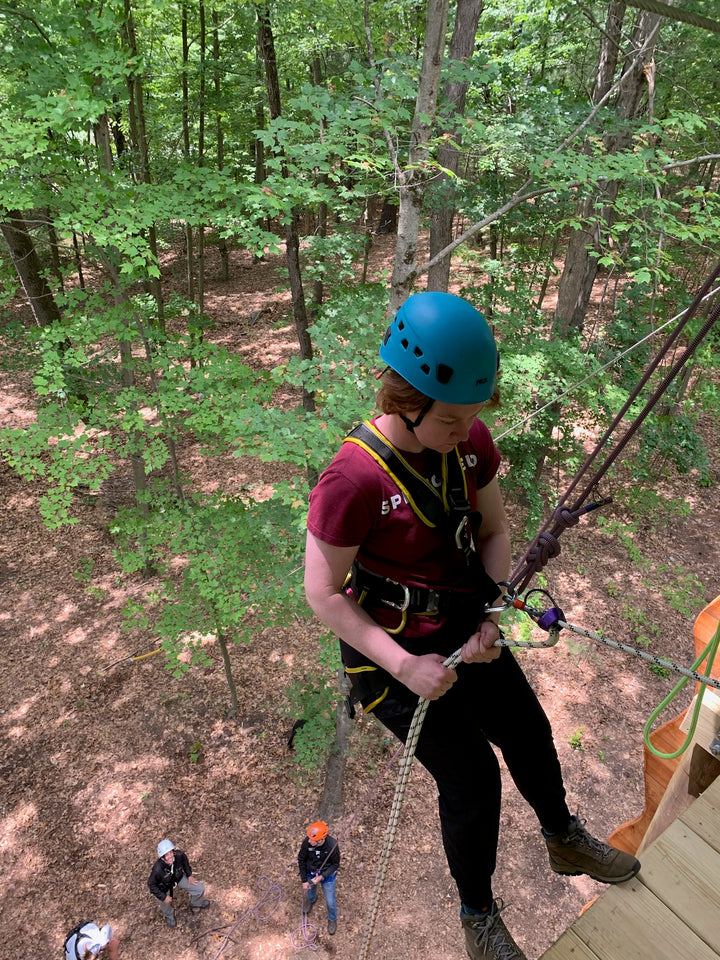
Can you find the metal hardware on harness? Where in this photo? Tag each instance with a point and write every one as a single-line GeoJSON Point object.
{"type": "Point", "coordinates": [464, 538]}
{"type": "Point", "coordinates": [402, 607]}
{"type": "Point", "coordinates": [550, 618]}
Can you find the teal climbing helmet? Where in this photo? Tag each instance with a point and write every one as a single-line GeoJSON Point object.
{"type": "Point", "coordinates": [444, 347]}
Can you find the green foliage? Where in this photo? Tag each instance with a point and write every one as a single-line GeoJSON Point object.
{"type": "Point", "coordinates": [314, 702]}
{"type": "Point", "coordinates": [219, 562]}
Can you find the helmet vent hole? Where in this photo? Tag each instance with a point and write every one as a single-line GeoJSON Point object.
{"type": "Point", "coordinates": [418, 352]}
{"type": "Point", "coordinates": [405, 344]}
{"type": "Point", "coordinates": [443, 373]}
{"type": "Point", "coordinates": [425, 368]}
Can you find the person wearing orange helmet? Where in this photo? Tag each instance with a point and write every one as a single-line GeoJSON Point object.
{"type": "Point", "coordinates": [318, 863]}
{"type": "Point", "coordinates": [407, 544]}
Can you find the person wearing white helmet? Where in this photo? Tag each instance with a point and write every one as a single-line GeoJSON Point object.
{"type": "Point", "coordinates": [172, 869]}
{"type": "Point", "coordinates": [407, 545]}
{"type": "Point", "coordinates": [87, 940]}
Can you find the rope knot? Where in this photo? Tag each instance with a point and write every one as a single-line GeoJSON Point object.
{"type": "Point", "coordinates": [545, 547]}
{"type": "Point", "coordinates": [564, 518]}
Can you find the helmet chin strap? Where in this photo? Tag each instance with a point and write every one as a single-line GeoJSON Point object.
{"type": "Point", "coordinates": [412, 424]}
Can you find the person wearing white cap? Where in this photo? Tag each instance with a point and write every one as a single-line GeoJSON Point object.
{"type": "Point", "coordinates": [87, 940]}
{"type": "Point", "coordinates": [172, 869]}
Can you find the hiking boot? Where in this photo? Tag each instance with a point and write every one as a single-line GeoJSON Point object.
{"type": "Point", "coordinates": [171, 921]}
{"type": "Point", "coordinates": [200, 904]}
{"type": "Point", "coordinates": [577, 851]}
{"type": "Point", "coordinates": [487, 937]}
{"type": "Point", "coordinates": [332, 927]}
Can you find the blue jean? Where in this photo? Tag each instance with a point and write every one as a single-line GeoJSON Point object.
{"type": "Point", "coordinates": [328, 889]}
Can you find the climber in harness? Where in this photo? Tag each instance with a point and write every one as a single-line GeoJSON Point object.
{"type": "Point", "coordinates": [407, 542]}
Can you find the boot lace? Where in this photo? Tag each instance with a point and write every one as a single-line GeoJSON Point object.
{"type": "Point", "coordinates": [582, 838]}
{"type": "Point", "coordinates": [492, 936]}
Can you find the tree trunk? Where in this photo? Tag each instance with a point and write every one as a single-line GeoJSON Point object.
{"type": "Point", "coordinates": [139, 139]}
{"type": "Point", "coordinates": [413, 178]}
{"type": "Point", "coordinates": [227, 665]}
{"type": "Point", "coordinates": [219, 135]}
{"type": "Point", "coordinates": [331, 803]}
{"type": "Point", "coordinates": [27, 265]}
{"type": "Point", "coordinates": [467, 18]}
{"type": "Point", "coordinates": [580, 269]}
{"type": "Point", "coordinates": [189, 240]}
{"type": "Point", "coordinates": [318, 286]}
{"type": "Point", "coordinates": [266, 48]}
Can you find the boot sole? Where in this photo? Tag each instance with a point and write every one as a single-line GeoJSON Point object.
{"type": "Point", "coordinates": [583, 873]}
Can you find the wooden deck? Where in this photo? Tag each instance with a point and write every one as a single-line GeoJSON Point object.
{"type": "Point", "coordinates": [671, 910]}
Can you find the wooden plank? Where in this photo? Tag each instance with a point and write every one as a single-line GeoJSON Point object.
{"type": "Point", "coordinates": [683, 871]}
{"type": "Point", "coordinates": [704, 770]}
{"type": "Point", "coordinates": [676, 796]}
{"type": "Point", "coordinates": [704, 816]}
{"type": "Point", "coordinates": [630, 923]}
{"type": "Point", "coordinates": [569, 947]}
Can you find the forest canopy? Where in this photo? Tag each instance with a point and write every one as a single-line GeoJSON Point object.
{"type": "Point", "coordinates": [512, 147]}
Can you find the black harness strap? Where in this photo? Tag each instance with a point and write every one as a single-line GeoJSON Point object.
{"type": "Point", "coordinates": [447, 507]}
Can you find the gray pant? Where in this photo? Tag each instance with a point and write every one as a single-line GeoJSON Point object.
{"type": "Point", "coordinates": [196, 891]}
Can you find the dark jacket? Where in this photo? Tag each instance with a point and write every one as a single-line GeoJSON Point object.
{"type": "Point", "coordinates": [324, 859]}
{"type": "Point", "coordinates": [164, 876]}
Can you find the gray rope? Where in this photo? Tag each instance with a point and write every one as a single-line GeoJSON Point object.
{"type": "Point", "coordinates": [419, 717]}
{"type": "Point", "coordinates": [674, 13]}
{"type": "Point", "coordinates": [406, 762]}
{"type": "Point", "coordinates": [642, 655]}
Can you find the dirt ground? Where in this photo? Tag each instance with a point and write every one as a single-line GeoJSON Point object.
{"type": "Point", "coordinates": [99, 751]}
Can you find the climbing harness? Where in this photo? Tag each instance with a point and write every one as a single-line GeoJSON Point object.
{"type": "Point", "coordinates": [446, 507]}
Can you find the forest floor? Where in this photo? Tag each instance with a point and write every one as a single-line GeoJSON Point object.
{"type": "Point", "coordinates": [103, 755]}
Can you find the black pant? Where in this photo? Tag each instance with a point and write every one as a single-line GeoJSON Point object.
{"type": "Point", "coordinates": [489, 703]}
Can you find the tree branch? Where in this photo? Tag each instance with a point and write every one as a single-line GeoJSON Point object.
{"type": "Point", "coordinates": [29, 17]}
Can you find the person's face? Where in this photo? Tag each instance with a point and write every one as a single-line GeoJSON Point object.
{"type": "Point", "coordinates": [314, 843]}
{"type": "Point", "coordinates": [169, 857]}
{"type": "Point", "coordinates": [445, 424]}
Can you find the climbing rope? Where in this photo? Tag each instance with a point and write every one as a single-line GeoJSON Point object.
{"type": "Point", "coordinates": [708, 655]}
{"type": "Point", "coordinates": [406, 762]}
{"type": "Point", "coordinates": [552, 621]}
{"type": "Point", "coordinates": [674, 13]}
{"type": "Point", "coordinates": [546, 544]}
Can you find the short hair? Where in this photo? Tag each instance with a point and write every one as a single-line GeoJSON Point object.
{"type": "Point", "coordinates": [396, 395]}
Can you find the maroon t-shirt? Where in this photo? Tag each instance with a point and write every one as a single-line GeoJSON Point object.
{"type": "Point", "coordinates": [356, 503]}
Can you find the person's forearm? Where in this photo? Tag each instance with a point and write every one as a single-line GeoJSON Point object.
{"type": "Point", "coordinates": [352, 624]}
{"type": "Point", "coordinates": [495, 552]}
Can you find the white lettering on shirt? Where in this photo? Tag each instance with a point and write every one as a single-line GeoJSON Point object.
{"type": "Point", "coordinates": [392, 504]}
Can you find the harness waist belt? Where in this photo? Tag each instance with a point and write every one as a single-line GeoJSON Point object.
{"type": "Point", "coordinates": [398, 596]}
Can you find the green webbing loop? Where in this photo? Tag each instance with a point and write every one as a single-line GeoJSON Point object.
{"type": "Point", "coordinates": [709, 652]}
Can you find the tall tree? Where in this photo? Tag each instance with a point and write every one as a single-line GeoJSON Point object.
{"type": "Point", "coordinates": [467, 17]}
{"type": "Point", "coordinates": [413, 176]}
{"type": "Point", "coordinates": [581, 260]}
{"type": "Point", "coordinates": [266, 47]}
